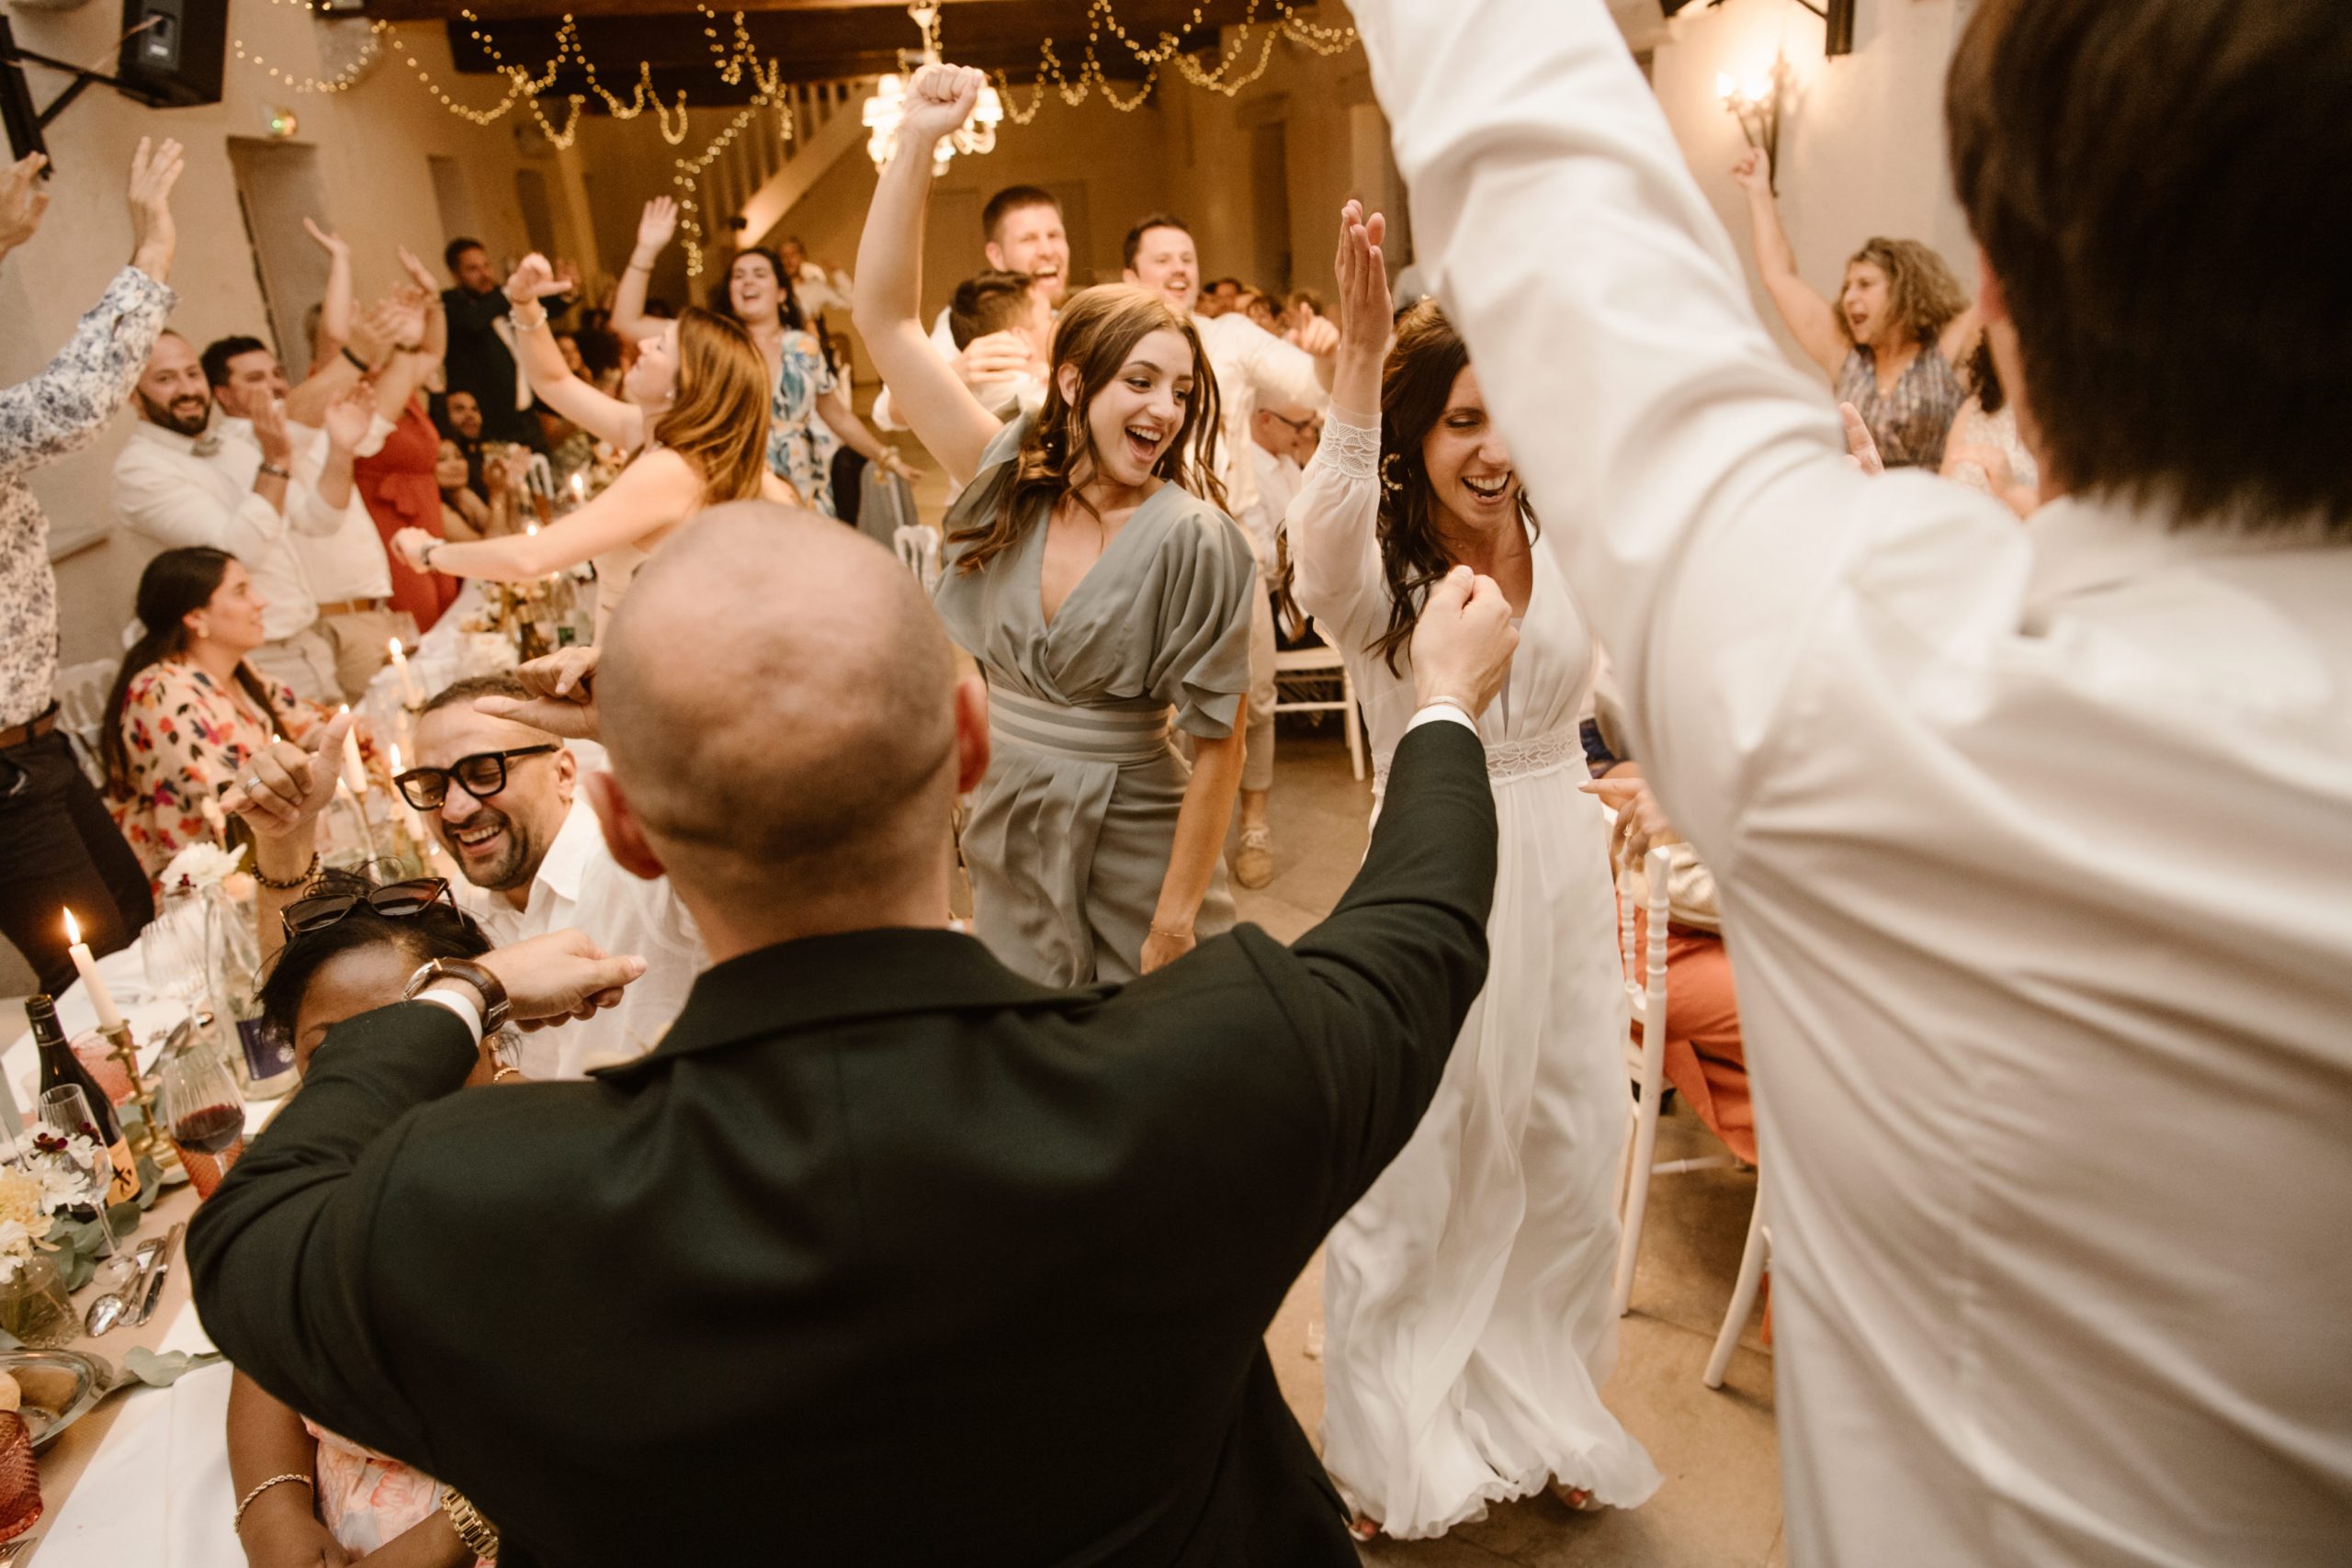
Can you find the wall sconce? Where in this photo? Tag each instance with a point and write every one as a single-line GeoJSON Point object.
{"type": "Point", "coordinates": [1755, 104]}
{"type": "Point", "coordinates": [1837, 19]}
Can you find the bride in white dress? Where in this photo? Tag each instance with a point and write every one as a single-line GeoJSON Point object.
{"type": "Point", "coordinates": [1467, 1294]}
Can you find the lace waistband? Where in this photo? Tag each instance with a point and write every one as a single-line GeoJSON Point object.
{"type": "Point", "coordinates": [1122, 734]}
{"type": "Point", "coordinates": [1508, 759]}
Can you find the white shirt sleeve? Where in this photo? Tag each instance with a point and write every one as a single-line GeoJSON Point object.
{"type": "Point", "coordinates": [151, 499]}
{"type": "Point", "coordinates": [1334, 549]}
{"type": "Point", "coordinates": [307, 511]}
{"type": "Point", "coordinates": [1279, 371]}
{"type": "Point", "coordinates": [1693, 483]}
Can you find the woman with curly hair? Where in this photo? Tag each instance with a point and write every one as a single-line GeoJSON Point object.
{"type": "Point", "coordinates": [1467, 1293]}
{"type": "Point", "coordinates": [1093, 576]}
{"type": "Point", "coordinates": [1892, 343]}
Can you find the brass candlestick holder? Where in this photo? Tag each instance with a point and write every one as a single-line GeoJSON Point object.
{"type": "Point", "coordinates": [150, 1140]}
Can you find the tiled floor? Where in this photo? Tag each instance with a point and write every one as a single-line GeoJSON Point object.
{"type": "Point", "coordinates": [1720, 1506]}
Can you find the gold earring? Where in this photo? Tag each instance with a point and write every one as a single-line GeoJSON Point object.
{"type": "Point", "coordinates": [1388, 480]}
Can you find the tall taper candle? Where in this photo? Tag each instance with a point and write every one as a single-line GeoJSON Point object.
{"type": "Point", "coordinates": [101, 999]}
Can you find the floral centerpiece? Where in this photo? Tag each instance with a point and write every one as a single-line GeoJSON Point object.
{"type": "Point", "coordinates": [26, 1216]}
{"type": "Point", "coordinates": [201, 865]}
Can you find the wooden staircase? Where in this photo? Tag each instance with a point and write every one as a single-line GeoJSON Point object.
{"type": "Point", "coordinates": [760, 177]}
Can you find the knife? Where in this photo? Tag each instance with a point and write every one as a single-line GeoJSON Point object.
{"type": "Point", "coordinates": [162, 1266]}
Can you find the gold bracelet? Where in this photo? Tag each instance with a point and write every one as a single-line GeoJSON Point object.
{"type": "Point", "coordinates": [472, 1530]}
{"type": "Point", "coordinates": [237, 1517]}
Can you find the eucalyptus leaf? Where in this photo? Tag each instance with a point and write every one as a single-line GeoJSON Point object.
{"type": "Point", "coordinates": [163, 1369]}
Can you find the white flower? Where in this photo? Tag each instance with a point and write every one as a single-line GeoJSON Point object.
{"type": "Point", "coordinates": [201, 865]}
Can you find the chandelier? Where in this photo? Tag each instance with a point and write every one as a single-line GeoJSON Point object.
{"type": "Point", "coordinates": [888, 106]}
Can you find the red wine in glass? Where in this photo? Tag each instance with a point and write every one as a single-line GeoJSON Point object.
{"type": "Point", "coordinates": [209, 1128]}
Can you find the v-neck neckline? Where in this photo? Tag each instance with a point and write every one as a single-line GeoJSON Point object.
{"type": "Point", "coordinates": [1050, 621]}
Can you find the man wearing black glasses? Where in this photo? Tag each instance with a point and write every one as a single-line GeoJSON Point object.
{"type": "Point", "coordinates": [944, 1267]}
{"type": "Point", "coordinates": [502, 796]}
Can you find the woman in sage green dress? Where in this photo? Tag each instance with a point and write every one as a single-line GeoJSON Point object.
{"type": "Point", "coordinates": [1107, 602]}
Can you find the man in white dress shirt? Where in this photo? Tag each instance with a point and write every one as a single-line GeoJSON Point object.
{"type": "Point", "coordinates": [2034, 844]}
{"type": "Point", "coordinates": [180, 481]}
{"type": "Point", "coordinates": [534, 859]}
{"type": "Point", "coordinates": [1252, 366]}
{"type": "Point", "coordinates": [347, 567]}
{"type": "Point", "coordinates": [1023, 231]}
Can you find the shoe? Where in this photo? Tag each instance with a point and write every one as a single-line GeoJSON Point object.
{"type": "Point", "coordinates": [1253, 863]}
{"type": "Point", "coordinates": [1580, 1498]}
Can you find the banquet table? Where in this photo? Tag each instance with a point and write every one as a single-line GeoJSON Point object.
{"type": "Point", "coordinates": [141, 1479]}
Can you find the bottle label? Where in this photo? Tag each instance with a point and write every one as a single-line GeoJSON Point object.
{"type": "Point", "coordinates": [124, 1188]}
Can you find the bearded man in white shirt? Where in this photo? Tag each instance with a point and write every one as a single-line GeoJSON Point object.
{"type": "Point", "coordinates": [179, 481]}
{"type": "Point", "coordinates": [2034, 846]}
{"type": "Point", "coordinates": [1252, 366]}
{"type": "Point", "coordinates": [1022, 232]}
{"type": "Point", "coordinates": [347, 567]}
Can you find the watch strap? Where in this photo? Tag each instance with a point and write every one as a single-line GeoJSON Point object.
{"type": "Point", "coordinates": [493, 995]}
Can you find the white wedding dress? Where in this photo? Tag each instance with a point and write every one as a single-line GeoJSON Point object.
{"type": "Point", "coordinates": [1467, 1293]}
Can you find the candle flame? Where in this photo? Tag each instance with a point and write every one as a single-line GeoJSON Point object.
{"type": "Point", "coordinates": [394, 644]}
{"type": "Point", "coordinates": [531, 528]}
{"type": "Point", "coordinates": [396, 757]}
{"type": "Point", "coordinates": [1725, 86]}
{"type": "Point", "coordinates": [72, 930]}
{"type": "Point", "coordinates": [344, 708]}
{"type": "Point", "coordinates": [1760, 88]}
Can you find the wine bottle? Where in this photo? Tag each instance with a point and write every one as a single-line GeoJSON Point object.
{"type": "Point", "coordinates": [59, 1067]}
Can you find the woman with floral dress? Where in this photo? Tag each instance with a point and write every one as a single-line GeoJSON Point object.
{"type": "Point", "coordinates": [186, 710]}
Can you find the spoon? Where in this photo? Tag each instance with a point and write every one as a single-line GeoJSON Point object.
{"type": "Point", "coordinates": [109, 1309]}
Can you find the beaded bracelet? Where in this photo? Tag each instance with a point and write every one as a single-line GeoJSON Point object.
{"type": "Point", "coordinates": [309, 871]}
{"type": "Point", "coordinates": [238, 1518]}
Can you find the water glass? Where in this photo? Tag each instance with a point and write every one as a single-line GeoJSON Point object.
{"type": "Point", "coordinates": [204, 1116]}
{"type": "Point", "coordinates": [65, 1110]}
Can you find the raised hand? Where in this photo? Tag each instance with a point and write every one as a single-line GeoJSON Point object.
{"type": "Point", "coordinates": [1365, 308]}
{"type": "Point", "coordinates": [656, 226]}
{"type": "Point", "coordinates": [22, 200]}
{"type": "Point", "coordinates": [411, 543]}
{"type": "Point", "coordinates": [417, 271]}
{"type": "Point", "coordinates": [1463, 641]}
{"type": "Point", "coordinates": [336, 248]}
{"type": "Point", "coordinates": [996, 357]}
{"type": "Point", "coordinates": [563, 696]}
{"type": "Point", "coordinates": [402, 315]}
{"type": "Point", "coordinates": [1313, 334]}
{"type": "Point", "coordinates": [1862, 447]}
{"type": "Point", "coordinates": [269, 431]}
{"type": "Point", "coordinates": [280, 792]}
{"type": "Point", "coordinates": [533, 279]}
{"type": "Point", "coordinates": [1753, 171]}
{"type": "Point", "coordinates": [154, 170]}
{"type": "Point", "coordinates": [349, 418]}
{"type": "Point", "coordinates": [1640, 823]}
{"type": "Point", "coordinates": [940, 99]}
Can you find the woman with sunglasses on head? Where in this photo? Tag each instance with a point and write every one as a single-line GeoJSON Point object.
{"type": "Point", "coordinates": [1105, 595]}
{"type": "Point", "coordinates": [1468, 1291]}
{"type": "Point", "coordinates": [338, 947]}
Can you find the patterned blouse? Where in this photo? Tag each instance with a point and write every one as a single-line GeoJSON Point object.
{"type": "Point", "coordinates": [57, 412]}
{"type": "Point", "coordinates": [1910, 422]}
{"type": "Point", "coordinates": [187, 735]}
{"type": "Point", "coordinates": [800, 450]}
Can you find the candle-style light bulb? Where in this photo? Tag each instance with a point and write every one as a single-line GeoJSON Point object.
{"type": "Point", "coordinates": [1725, 88]}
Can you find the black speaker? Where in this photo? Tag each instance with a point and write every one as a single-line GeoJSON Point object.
{"type": "Point", "coordinates": [171, 55]}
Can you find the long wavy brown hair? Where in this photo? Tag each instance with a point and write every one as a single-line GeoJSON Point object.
{"type": "Point", "coordinates": [174, 584]}
{"type": "Point", "coordinates": [1921, 293]}
{"type": "Point", "coordinates": [717, 419]}
{"type": "Point", "coordinates": [1416, 388]}
{"type": "Point", "coordinates": [1097, 330]}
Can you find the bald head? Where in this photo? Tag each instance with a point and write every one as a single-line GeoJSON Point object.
{"type": "Point", "coordinates": [778, 700]}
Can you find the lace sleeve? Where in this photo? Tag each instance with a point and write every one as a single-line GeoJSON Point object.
{"type": "Point", "coordinates": [1350, 447]}
{"type": "Point", "coordinates": [1333, 527]}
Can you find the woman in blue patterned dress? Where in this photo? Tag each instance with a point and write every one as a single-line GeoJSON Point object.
{"type": "Point", "coordinates": [811, 413]}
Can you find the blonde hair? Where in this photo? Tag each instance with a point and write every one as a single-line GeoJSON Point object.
{"type": "Point", "coordinates": [717, 420]}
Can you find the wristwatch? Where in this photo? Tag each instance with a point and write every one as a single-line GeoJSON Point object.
{"type": "Point", "coordinates": [494, 1005]}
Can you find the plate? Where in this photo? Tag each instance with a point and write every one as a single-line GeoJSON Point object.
{"type": "Point", "coordinates": [59, 1385]}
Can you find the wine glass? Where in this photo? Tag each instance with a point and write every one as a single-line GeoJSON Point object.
{"type": "Point", "coordinates": [171, 950]}
{"type": "Point", "coordinates": [205, 1116]}
{"type": "Point", "coordinates": [65, 1113]}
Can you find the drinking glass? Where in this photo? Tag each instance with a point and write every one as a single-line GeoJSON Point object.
{"type": "Point", "coordinates": [65, 1110]}
{"type": "Point", "coordinates": [204, 1114]}
{"type": "Point", "coordinates": [171, 950]}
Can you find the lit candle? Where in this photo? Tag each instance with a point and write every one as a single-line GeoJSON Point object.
{"type": "Point", "coordinates": [101, 999]}
{"type": "Point", "coordinates": [579, 488]}
{"type": "Point", "coordinates": [408, 682]}
{"type": "Point", "coordinates": [408, 812]}
{"type": "Point", "coordinates": [355, 774]}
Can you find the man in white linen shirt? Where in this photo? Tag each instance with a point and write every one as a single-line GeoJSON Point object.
{"type": "Point", "coordinates": [347, 567]}
{"type": "Point", "coordinates": [534, 859]}
{"type": "Point", "coordinates": [1022, 230]}
{"type": "Point", "coordinates": [2034, 844]}
{"type": "Point", "coordinates": [178, 482]}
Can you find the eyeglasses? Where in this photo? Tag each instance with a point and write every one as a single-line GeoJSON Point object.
{"type": "Point", "coordinates": [411, 897]}
{"type": "Point", "coordinates": [1297, 426]}
{"type": "Point", "coordinates": [481, 775]}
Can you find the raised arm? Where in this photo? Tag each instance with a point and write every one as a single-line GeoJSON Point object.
{"type": "Point", "coordinates": [1812, 320]}
{"type": "Point", "coordinates": [1335, 555]}
{"type": "Point", "coordinates": [924, 391]}
{"type": "Point", "coordinates": [399, 380]}
{"type": "Point", "coordinates": [605, 418]}
{"type": "Point", "coordinates": [1693, 484]}
{"type": "Point", "coordinates": [654, 493]}
{"type": "Point", "coordinates": [655, 227]}
{"type": "Point", "coordinates": [335, 306]}
{"type": "Point", "coordinates": [843, 421]}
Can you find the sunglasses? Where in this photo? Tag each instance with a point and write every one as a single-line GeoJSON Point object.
{"type": "Point", "coordinates": [481, 775]}
{"type": "Point", "coordinates": [392, 902]}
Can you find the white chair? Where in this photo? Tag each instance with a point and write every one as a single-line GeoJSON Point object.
{"type": "Point", "coordinates": [82, 692]}
{"type": "Point", "coordinates": [1645, 988]}
{"type": "Point", "coordinates": [1320, 665]}
{"type": "Point", "coordinates": [917, 548]}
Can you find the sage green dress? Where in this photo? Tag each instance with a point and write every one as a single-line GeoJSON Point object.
{"type": "Point", "coordinates": [1072, 827]}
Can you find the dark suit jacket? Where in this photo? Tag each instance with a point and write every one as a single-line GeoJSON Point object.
{"type": "Point", "coordinates": [479, 361]}
{"type": "Point", "coordinates": [884, 1254]}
